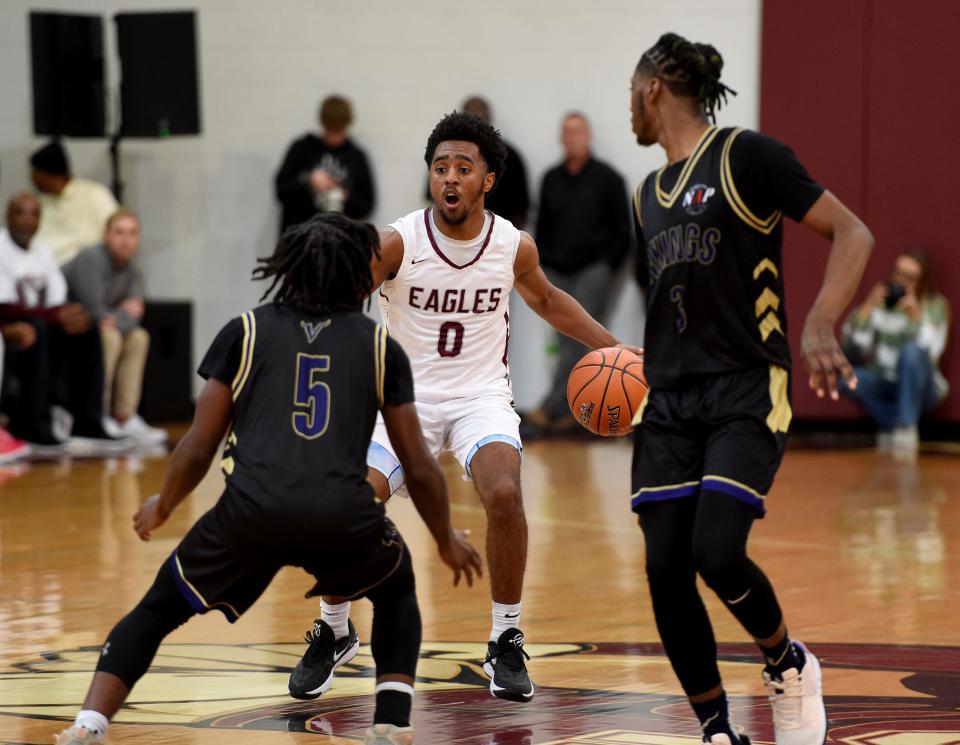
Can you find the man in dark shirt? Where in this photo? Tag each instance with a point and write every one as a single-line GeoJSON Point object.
{"type": "Point", "coordinates": [295, 465]}
{"type": "Point", "coordinates": [325, 172]}
{"type": "Point", "coordinates": [583, 231]}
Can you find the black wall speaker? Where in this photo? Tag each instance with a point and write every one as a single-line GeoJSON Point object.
{"type": "Point", "coordinates": [159, 87]}
{"type": "Point", "coordinates": [66, 53]}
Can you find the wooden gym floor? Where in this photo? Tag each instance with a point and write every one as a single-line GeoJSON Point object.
{"type": "Point", "coordinates": [864, 551]}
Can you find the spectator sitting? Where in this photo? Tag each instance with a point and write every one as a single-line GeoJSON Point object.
{"type": "Point", "coordinates": [104, 279]}
{"type": "Point", "coordinates": [899, 334]}
{"type": "Point", "coordinates": [325, 172]}
{"type": "Point", "coordinates": [44, 334]}
{"type": "Point", "coordinates": [74, 210]}
{"type": "Point", "coordinates": [583, 233]}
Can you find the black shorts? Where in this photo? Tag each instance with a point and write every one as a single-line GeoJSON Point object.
{"type": "Point", "coordinates": [726, 433]}
{"type": "Point", "coordinates": [226, 563]}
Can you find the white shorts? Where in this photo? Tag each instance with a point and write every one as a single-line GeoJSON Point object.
{"type": "Point", "coordinates": [461, 425]}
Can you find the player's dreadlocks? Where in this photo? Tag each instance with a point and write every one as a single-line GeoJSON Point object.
{"type": "Point", "coordinates": [688, 69]}
{"type": "Point", "coordinates": [463, 126]}
{"type": "Point", "coordinates": [322, 265]}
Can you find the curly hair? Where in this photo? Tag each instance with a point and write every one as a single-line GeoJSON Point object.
{"type": "Point", "coordinates": [322, 265]}
{"type": "Point", "coordinates": [688, 69]}
{"type": "Point", "coordinates": [469, 128]}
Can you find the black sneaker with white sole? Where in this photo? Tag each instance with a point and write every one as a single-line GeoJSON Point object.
{"type": "Point", "coordinates": [313, 675]}
{"type": "Point", "coordinates": [507, 669]}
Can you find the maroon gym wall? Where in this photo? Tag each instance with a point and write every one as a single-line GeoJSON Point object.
{"type": "Point", "coordinates": [862, 90]}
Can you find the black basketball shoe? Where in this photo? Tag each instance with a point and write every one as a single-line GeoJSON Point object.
{"type": "Point", "coordinates": [313, 675]}
{"type": "Point", "coordinates": [506, 667]}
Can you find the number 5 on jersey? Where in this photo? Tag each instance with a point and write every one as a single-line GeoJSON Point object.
{"type": "Point", "coordinates": [312, 395]}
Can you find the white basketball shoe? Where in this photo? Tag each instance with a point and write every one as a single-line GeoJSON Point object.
{"type": "Point", "coordinates": [799, 715]}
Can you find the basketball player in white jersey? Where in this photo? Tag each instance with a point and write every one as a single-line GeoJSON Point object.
{"type": "Point", "coordinates": [445, 275]}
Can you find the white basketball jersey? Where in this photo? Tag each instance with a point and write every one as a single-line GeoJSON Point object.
{"type": "Point", "coordinates": [448, 307]}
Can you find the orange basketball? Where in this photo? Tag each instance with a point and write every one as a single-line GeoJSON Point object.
{"type": "Point", "coordinates": [605, 389]}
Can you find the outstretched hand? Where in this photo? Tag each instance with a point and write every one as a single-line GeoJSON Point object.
{"type": "Point", "coordinates": [824, 360]}
{"type": "Point", "coordinates": [149, 517]}
{"type": "Point", "coordinates": [461, 557]}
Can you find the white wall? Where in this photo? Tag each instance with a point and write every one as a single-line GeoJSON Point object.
{"type": "Point", "coordinates": [207, 202]}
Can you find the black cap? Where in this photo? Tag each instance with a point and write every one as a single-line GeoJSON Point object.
{"type": "Point", "coordinates": [51, 158]}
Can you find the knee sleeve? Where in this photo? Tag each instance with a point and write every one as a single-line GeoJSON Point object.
{"type": "Point", "coordinates": [397, 629]}
{"type": "Point", "coordinates": [133, 642]}
{"type": "Point", "coordinates": [720, 557]}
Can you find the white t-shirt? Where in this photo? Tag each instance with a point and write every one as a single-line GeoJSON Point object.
{"type": "Point", "coordinates": [448, 307]}
{"type": "Point", "coordinates": [30, 278]}
{"type": "Point", "coordinates": [76, 218]}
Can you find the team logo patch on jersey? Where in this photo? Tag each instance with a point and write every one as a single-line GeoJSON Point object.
{"type": "Point", "coordinates": [312, 330]}
{"type": "Point", "coordinates": [696, 198]}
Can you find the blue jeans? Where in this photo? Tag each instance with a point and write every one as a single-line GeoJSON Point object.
{"type": "Point", "coordinates": [902, 402]}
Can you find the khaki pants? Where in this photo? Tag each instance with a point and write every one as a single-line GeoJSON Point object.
{"type": "Point", "coordinates": [124, 357]}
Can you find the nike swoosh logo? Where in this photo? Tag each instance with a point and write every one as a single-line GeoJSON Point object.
{"type": "Point", "coordinates": [419, 261]}
{"type": "Point", "coordinates": [511, 615]}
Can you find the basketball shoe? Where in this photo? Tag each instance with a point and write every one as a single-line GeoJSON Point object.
{"type": "Point", "coordinates": [11, 448]}
{"type": "Point", "coordinates": [796, 696]}
{"type": "Point", "coordinates": [388, 734]}
{"type": "Point", "coordinates": [313, 675]}
{"type": "Point", "coordinates": [77, 736]}
{"type": "Point", "coordinates": [506, 668]}
{"type": "Point", "coordinates": [725, 738]}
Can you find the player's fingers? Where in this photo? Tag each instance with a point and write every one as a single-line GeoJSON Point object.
{"type": "Point", "coordinates": [456, 576]}
{"type": "Point", "coordinates": [468, 574]}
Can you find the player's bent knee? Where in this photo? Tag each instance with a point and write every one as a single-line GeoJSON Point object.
{"type": "Point", "coordinates": [502, 498]}
{"type": "Point", "coordinates": [134, 641]}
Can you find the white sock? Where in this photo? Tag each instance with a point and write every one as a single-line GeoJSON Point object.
{"type": "Point", "coordinates": [504, 617]}
{"type": "Point", "coordinates": [336, 617]}
{"type": "Point", "coordinates": [92, 721]}
{"type": "Point", "coordinates": [395, 686]}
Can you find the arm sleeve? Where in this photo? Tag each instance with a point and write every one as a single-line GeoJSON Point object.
{"type": "Point", "coordinates": [86, 285]}
{"type": "Point", "coordinates": [768, 177]}
{"type": "Point", "coordinates": [361, 197]}
{"type": "Point", "coordinates": [398, 378]}
{"type": "Point", "coordinates": [290, 181]}
{"type": "Point", "coordinates": [222, 360]}
{"type": "Point", "coordinates": [56, 283]}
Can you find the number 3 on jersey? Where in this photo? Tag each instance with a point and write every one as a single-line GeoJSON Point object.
{"type": "Point", "coordinates": [451, 339]}
{"type": "Point", "coordinates": [312, 395]}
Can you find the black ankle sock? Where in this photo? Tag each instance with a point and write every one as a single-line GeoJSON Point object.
{"type": "Point", "coordinates": [713, 715]}
{"type": "Point", "coordinates": [393, 707]}
{"type": "Point", "coordinates": [783, 656]}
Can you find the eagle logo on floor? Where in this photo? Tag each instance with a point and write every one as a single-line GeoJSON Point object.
{"type": "Point", "coordinates": [880, 694]}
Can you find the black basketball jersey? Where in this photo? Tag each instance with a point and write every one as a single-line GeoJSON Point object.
{"type": "Point", "coordinates": [306, 393]}
{"type": "Point", "coordinates": [713, 231]}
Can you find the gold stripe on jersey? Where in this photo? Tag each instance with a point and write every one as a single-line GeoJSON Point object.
{"type": "Point", "coordinates": [733, 482]}
{"type": "Point", "coordinates": [638, 417]}
{"type": "Point", "coordinates": [243, 352]}
{"type": "Point", "coordinates": [769, 324]}
{"type": "Point", "coordinates": [196, 592]}
{"type": "Point", "coordinates": [636, 204]}
{"type": "Point", "coordinates": [246, 359]}
{"type": "Point", "coordinates": [778, 420]}
{"type": "Point", "coordinates": [733, 196]}
{"type": "Point", "coordinates": [666, 200]}
{"type": "Point", "coordinates": [766, 265]}
{"type": "Point", "coordinates": [768, 299]}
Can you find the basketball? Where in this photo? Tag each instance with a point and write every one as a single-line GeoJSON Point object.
{"type": "Point", "coordinates": [605, 389]}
